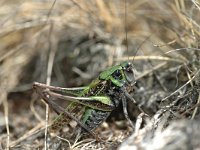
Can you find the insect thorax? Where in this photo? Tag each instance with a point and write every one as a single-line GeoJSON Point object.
{"type": "Point", "coordinates": [106, 88]}
{"type": "Point", "coordinates": [96, 117]}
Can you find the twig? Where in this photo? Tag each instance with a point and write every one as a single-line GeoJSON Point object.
{"type": "Point", "coordinates": [182, 86]}
{"type": "Point", "coordinates": [48, 80]}
{"type": "Point", "coordinates": [149, 57]}
{"type": "Point", "coordinates": [5, 105]}
{"type": "Point", "coordinates": [49, 71]}
{"type": "Point", "coordinates": [188, 110]}
{"type": "Point", "coordinates": [182, 49]}
{"type": "Point", "coordinates": [196, 108]}
{"type": "Point", "coordinates": [28, 134]}
{"type": "Point", "coordinates": [12, 51]}
{"type": "Point", "coordinates": [151, 70]}
{"type": "Point", "coordinates": [34, 111]}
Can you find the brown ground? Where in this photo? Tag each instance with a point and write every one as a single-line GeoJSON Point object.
{"type": "Point", "coordinates": [70, 44]}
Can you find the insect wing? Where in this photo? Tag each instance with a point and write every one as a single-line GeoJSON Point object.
{"type": "Point", "coordinates": [72, 112]}
{"type": "Point", "coordinates": [64, 120]}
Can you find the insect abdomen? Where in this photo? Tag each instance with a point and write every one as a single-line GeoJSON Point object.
{"type": "Point", "coordinates": [93, 118]}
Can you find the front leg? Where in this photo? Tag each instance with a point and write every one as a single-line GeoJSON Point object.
{"type": "Point", "coordinates": [124, 103]}
{"type": "Point", "coordinates": [132, 99]}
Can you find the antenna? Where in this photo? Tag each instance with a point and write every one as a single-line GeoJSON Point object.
{"type": "Point", "coordinates": [50, 11]}
{"type": "Point", "coordinates": [126, 33]}
{"type": "Point", "coordinates": [139, 46]}
{"type": "Point", "coordinates": [125, 25]}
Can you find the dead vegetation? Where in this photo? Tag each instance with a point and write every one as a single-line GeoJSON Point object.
{"type": "Point", "coordinates": [70, 43]}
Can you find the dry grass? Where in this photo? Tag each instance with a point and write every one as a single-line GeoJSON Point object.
{"type": "Point", "coordinates": [71, 43]}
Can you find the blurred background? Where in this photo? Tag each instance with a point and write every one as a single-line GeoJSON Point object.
{"type": "Point", "coordinates": [68, 43]}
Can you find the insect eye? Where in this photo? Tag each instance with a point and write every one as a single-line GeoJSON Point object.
{"type": "Point", "coordinates": [117, 74]}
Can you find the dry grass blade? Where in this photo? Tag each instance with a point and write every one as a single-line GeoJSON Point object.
{"type": "Point", "coordinates": [5, 105]}
{"type": "Point", "coordinates": [31, 132]}
{"type": "Point", "coordinates": [195, 75]}
{"type": "Point", "coordinates": [68, 43]}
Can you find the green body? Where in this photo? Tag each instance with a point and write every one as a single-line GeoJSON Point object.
{"type": "Point", "coordinates": [92, 104]}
